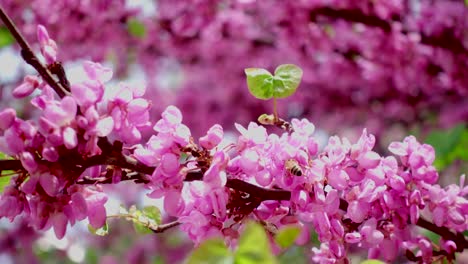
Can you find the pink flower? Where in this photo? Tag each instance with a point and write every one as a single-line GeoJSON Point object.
{"type": "Point", "coordinates": [30, 83]}
{"type": "Point", "coordinates": [96, 210]}
{"type": "Point", "coordinates": [48, 45]}
{"type": "Point", "coordinates": [213, 137]}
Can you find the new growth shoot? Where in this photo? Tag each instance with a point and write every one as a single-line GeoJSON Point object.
{"type": "Point", "coordinates": [264, 85]}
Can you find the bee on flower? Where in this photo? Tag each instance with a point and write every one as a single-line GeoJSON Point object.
{"type": "Point", "coordinates": [293, 167]}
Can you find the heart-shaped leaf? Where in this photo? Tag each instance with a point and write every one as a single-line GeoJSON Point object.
{"type": "Point", "coordinates": [286, 80]}
{"type": "Point", "coordinates": [263, 85]}
{"type": "Point", "coordinates": [260, 83]}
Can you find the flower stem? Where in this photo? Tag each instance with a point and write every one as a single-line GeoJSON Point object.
{"type": "Point", "coordinates": [275, 111]}
{"type": "Point", "coordinates": [29, 56]}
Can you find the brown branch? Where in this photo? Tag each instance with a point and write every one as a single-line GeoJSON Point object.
{"type": "Point", "coordinates": [133, 176]}
{"type": "Point", "coordinates": [57, 69]}
{"type": "Point", "coordinates": [351, 15]}
{"type": "Point", "coordinates": [29, 56]}
{"type": "Point", "coordinates": [444, 232]}
{"type": "Point", "coordinates": [257, 191]}
{"type": "Point", "coordinates": [14, 165]}
{"type": "Point", "coordinates": [141, 170]}
{"type": "Point", "coordinates": [446, 40]}
{"type": "Point", "coordinates": [164, 227]}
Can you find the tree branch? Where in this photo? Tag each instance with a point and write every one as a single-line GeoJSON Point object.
{"type": "Point", "coordinates": [29, 56]}
{"type": "Point", "coordinates": [141, 170]}
{"type": "Point", "coordinates": [350, 15]}
{"type": "Point", "coordinates": [14, 165]}
{"type": "Point", "coordinates": [444, 232]}
{"type": "Point", "coordinates": [164, 227]}
{"type": "Point", "coordinates": [446, 40]}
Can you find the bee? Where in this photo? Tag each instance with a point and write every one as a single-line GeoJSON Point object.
{"type": "Point", "coordinates": [293, 167]}
{"type": "Point", "coordinates": [266, 119]}
{"type": "Point", "coordinates": [271, 120]}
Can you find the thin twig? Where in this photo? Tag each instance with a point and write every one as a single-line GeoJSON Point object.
{"type": "Point", "coordinates": [446, 40]}
{"type": "Point", "coordinates": [29, 56]}
{"type": "Point", "coordinates": [155, 228]}
{"type": "Point", "coordinates": [164, 227]}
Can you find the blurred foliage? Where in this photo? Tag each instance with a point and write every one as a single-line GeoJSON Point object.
{"type": "Point", "coordinates": [136, 28]}
{"type": "Point", "coordinates": [287, 235]}
{"type": "Point", "coordinates": [314, 238]}
{"type": "Point", "coordinates": [294, 254]}
{"type": "Point", "coordinates": [372, 261]}
{"type": "Point", "coordinates": [432, 236]}
{"type": "Point", "coordinates": [5, 37]}
{"type": "Point", "coordinates": [5, 176]}
{"type": "Point", "coordinates": [4, 181]}
{"type": "Point", "coordinates": [143, 220]}
{"type": "Point", "coordinates": [91, 256]}
{"type": "Point", "coordinates": [253, 247]}
{"type": "Point", "coordinates": [450, 145]}
{"type": "Point", "coordinates": [211, 251]}
{"type": "Point", "coordinates": [102, 231]}
{"type": "Point", "coordinates": [55, 256]}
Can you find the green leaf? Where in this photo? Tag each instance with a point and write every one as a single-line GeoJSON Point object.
{"type": "Point", "coordinates": [5, 176]}
{"type": "Point", "coordinates": [444, 141]}
{"type": "Point", "coordinates": [141, 228]}
{"type": "Point", "coordinates": [5, 37]}
{"type": "Point", "coordinates": [136, 28]}
{"type": "Point", "coordinates": [459, 152]}
{"type": "Point", "coordinates": [314, 238]}
{"type": "Point", "coordinates": [254, 246]}
{"type": "Point", "coordinates": [372, 261]}
{"type": "Point", "coordinates": [287, 79]}
{"type": "Point", "coordinates": [260, 83]}
{"type": "Point", "coordinates": [263, 85]}
{"type": "Point", "coordinates": [432, 236]}
{"type": "Point", "coordinates": [158, 260]}
{"type": "Point", "coordinates": [4, 181]}
{"type": "Point", "coordinates": [449, 145]}
{"type": "Point", "coordinates": [212, 251]}
{"type": "Point", "coordinates": [104, 230]}
{"type": "Point", "coordinates": [294, 254]}
{"type": "Point", "coordinates": [153, 213]}
{"type": "Point", "coordinates": [91, 256]}
{"type": "Point", "coordinates": [287, 235]}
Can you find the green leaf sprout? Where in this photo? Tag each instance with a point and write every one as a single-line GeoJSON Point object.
{"type": "Point", "coordinates": [263, 85]}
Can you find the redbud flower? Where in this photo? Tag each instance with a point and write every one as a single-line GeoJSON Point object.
{"type": "Point", "coordinates": [48, 45]}
{"type": "Point", "coordinates": [213, 137]}
{"type": "Point", "coordinates": [30, 83]}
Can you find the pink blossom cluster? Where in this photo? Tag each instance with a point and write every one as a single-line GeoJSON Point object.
{"type": "Point", "coordinates": [84, 29]}
{"type": "Point", "coordinates": [348, 193]}
{"type": "Point", "coordinates": [198, 205]}
{"type": "Point", "coordinates": [66, 134]}
{"type": "Point", "coordinates": [402, 58]}
{"type": "Point", "coordinates": [385, 197]}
